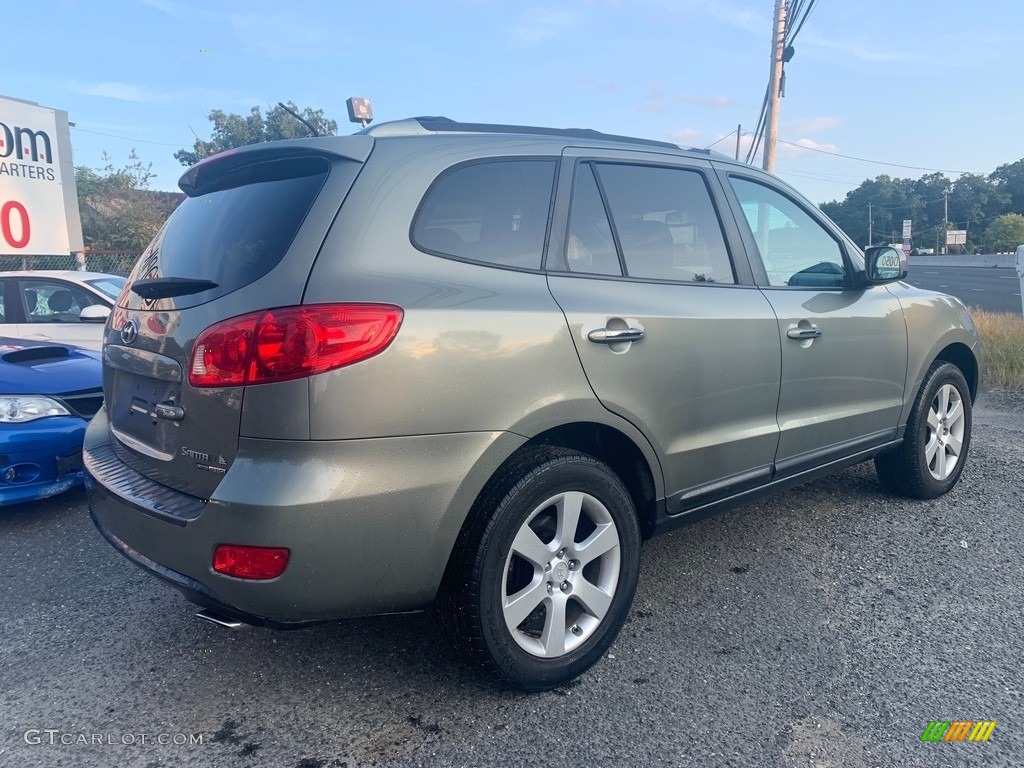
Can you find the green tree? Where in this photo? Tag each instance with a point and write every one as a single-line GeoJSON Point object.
{"type": "Point", "coordinates": [232, 130]}
{"type": "Point", "coordinates": [1005, 233]}
{"type": "Point", "coordinates": [118, 210]}
{"type": "Point", "coordinates": [891, 200]}
{"type": "Point", "coordinates": [1010, 179]}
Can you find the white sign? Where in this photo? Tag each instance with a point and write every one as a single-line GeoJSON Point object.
{"type": "Point", "coordinates": [956, 237]}
{"type": "Point", "coordinates": [906, 228]}
{"type": "Point", "coordinates": [38, 200]}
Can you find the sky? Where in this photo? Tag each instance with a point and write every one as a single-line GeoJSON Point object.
{"type": "Point", "coordinates": [929, 84]}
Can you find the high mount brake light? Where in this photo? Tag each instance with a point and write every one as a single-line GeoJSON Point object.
{"type": "Point", "coordinates": [291, 343]}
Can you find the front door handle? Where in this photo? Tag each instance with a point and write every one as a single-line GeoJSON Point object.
{"type": "Point", "coordinates": [804, 334]}
{"type": "Point", "coordinates": [613, 335]}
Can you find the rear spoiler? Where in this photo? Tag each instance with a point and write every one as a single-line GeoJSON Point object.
{"type": "Point", "coordinates": [203, 177]}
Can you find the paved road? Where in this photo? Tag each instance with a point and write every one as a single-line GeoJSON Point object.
{"type": "Point", "coordinates": [991, 288]}
{"type": "Point", "coordinates": [825, 627]}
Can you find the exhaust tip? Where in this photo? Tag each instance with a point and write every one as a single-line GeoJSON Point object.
{"type": "Point", "coordinates": [219, 620]}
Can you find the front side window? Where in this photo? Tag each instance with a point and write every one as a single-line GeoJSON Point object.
{"type": "Point", "coordinates": [492, 212]}
{"type": "Point", "coordinates": [795, 249]}
{"type": "Point", "coordinates": [665, 220]}
{"type": "Point", "coordinates": [51, 302]}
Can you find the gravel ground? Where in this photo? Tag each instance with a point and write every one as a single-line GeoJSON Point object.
{"type": "Point", "coordinates": [824, 627]}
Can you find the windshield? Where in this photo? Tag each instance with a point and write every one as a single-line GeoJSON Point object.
{"type": "Point", "coordinates": [109, 286]}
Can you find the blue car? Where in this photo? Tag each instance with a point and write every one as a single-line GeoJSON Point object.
{"type": "Point", "coordinates": [48, 393]}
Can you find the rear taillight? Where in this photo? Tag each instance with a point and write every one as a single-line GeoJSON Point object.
{"type": "Point", "coordinates": [244, 562]}
{"type": "Point", "coordinates": [290, 343]}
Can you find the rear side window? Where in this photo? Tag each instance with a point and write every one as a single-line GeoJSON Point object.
{"type": "Point", "coordinates": [238, 232]}
{"type": "Point", "coordinates": [492, 212]}
{"type": "Point", "coordinates": [666, 223]}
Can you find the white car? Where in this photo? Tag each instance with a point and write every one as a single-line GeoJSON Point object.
{"type": "Point", "coordinates": [62, 306]}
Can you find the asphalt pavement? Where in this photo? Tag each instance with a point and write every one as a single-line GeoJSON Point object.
{"type": "Point", "coordinates": [823, 627]}
{"type": "Point", "coordinates": [991, 288]}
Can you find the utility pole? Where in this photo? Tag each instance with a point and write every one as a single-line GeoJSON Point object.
{"type": "Point", "coordinates": [871, 228]}
{"type": "Point", "coordinates": [945, 221]}
{"type": "Point", "coordinates": [739, 132]}
{"type": "Point", "coordinates": [775, 84]}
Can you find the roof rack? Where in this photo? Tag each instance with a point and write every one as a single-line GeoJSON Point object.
{"type": "Point", "coordinates": [419, 125]}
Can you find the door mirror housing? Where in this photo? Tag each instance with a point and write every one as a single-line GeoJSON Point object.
{"type": "Point", "coordinates": [884, 264]}
{"type": "Point", "coordinates": [94, 313]}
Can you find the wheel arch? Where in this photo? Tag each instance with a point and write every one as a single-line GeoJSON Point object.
{"type": "Point", "coordinates": [614, 448]}
{"type": "Point", "coordinates": [962, 357]}
{"type": "Point", "coordinates": [605, 443]}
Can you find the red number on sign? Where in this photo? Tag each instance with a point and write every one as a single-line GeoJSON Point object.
{"type": "Point", "coordinates": [6, 214]}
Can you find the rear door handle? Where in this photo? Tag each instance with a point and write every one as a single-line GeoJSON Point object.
{"type": "Point", "coordinates": [613, 335]}
{"type": "Point", "coordinates": [802, 334]}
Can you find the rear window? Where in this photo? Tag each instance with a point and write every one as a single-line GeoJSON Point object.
{"type": "Point", "coordinates": [491, 212]}
{"type": "Point", "coordinates": [240, 230]}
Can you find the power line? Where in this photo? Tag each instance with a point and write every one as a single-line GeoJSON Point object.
{"type": "Point", "coordinates": [718, 141]}
{"type": "Point", "coordinates": [802, 19]}
{"type": "Point", "coordinates": [126, 138]}
{"type": "Point", "coordinates": [877, 162]}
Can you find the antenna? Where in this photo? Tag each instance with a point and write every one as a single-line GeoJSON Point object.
{"type": "Point", "coordinates": [299, 118]}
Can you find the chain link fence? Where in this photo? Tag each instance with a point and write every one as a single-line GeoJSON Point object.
{"type": "Point", "coordinates": [111, 262]}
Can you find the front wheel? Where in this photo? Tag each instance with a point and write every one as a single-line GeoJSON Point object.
{"type": "Point", "coordinates": [543, 577]}
{"type": "Point", "coordinates": [938, 436]}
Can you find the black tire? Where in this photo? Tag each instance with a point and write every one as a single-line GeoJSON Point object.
{"type": "Point", "coordinates": [487, 569]}
{"type": "Point", "coordinates": [908, 471]}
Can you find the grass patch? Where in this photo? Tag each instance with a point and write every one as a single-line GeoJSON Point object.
{"type": "Point", "coordinates": [1002, 335]}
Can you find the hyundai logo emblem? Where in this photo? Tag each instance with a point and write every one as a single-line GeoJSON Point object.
{"type": "Point", "coordinates": [130, 332]}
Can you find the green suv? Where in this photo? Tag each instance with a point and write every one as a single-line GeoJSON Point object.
{"type": "Point", "coordinates": [475, 366]}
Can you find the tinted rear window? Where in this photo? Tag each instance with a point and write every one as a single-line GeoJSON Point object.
{"type": "Point", "coordinates": [492, 212]}
{"type": "Point", "coordinates": [241, 230]}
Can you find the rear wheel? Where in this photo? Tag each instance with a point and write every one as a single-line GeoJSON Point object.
{"type": "Point", "coordinates": [543, 577]}
{"type": "Point", "coordinates": [938, 436]}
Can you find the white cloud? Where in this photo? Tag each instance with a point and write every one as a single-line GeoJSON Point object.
{"type": "Point", "coordinates": [539, 24]}
{"type": "Point", "coordinates": [813, 124]}
{"type": "Point", "coordinates": [171, 8]}
{"type": "Point", "coordinates": [713, 102]}
{"type": "Point", "coordinates": [747, 16]}
{"type": "Point", "coordinates": [657, 107]}
{"type": "Point", "coordinates": [686, 137]}
{"type": "Point", "coordinates": [115, 90]}
{"type": "Point", "coordinates": [857, 49]}
{"type": "Point", "coordinates": [801, 147]}
{"type": "Point", "coordinates": [285, 37]}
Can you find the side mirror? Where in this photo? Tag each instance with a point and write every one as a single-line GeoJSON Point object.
{"type": "Point", "coordinates": [884, 264]}
{"type": "Point", "coordinates": [94, 313]}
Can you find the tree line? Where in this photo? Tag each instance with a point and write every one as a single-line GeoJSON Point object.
{"type": "Point", "coordinates": [120, 212]}
{"type": "Point", "coordinates": [988, 207]}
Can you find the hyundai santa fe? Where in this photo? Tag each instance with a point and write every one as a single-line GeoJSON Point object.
{"type": "Point", "coordinates": [475, 367]}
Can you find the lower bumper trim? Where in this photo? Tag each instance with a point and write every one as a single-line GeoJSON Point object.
{"type": "Point", "coordinates": [193, 591]}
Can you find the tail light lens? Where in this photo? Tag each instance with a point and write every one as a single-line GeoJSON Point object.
{"type": "Point", "coordinates": [291, 343]}
{"type": "Point", "coordinates": [244, 562]}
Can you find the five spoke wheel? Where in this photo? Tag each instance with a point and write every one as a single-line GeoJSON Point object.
{"type": "Point", "coordinates": [562, 571]}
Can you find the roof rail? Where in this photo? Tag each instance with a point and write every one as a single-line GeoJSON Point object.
{"type": "Point", "coordinates": [420, 125]}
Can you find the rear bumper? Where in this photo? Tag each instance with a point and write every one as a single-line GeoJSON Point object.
{"type": "Point", "coordinates": [370, 523]}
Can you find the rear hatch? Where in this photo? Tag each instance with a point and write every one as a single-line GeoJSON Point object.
{"type": "Point", "coordinates": [244, 240]}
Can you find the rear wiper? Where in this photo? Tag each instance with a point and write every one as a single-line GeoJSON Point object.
{"type": "Point", "coordinates": [166, 287]}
